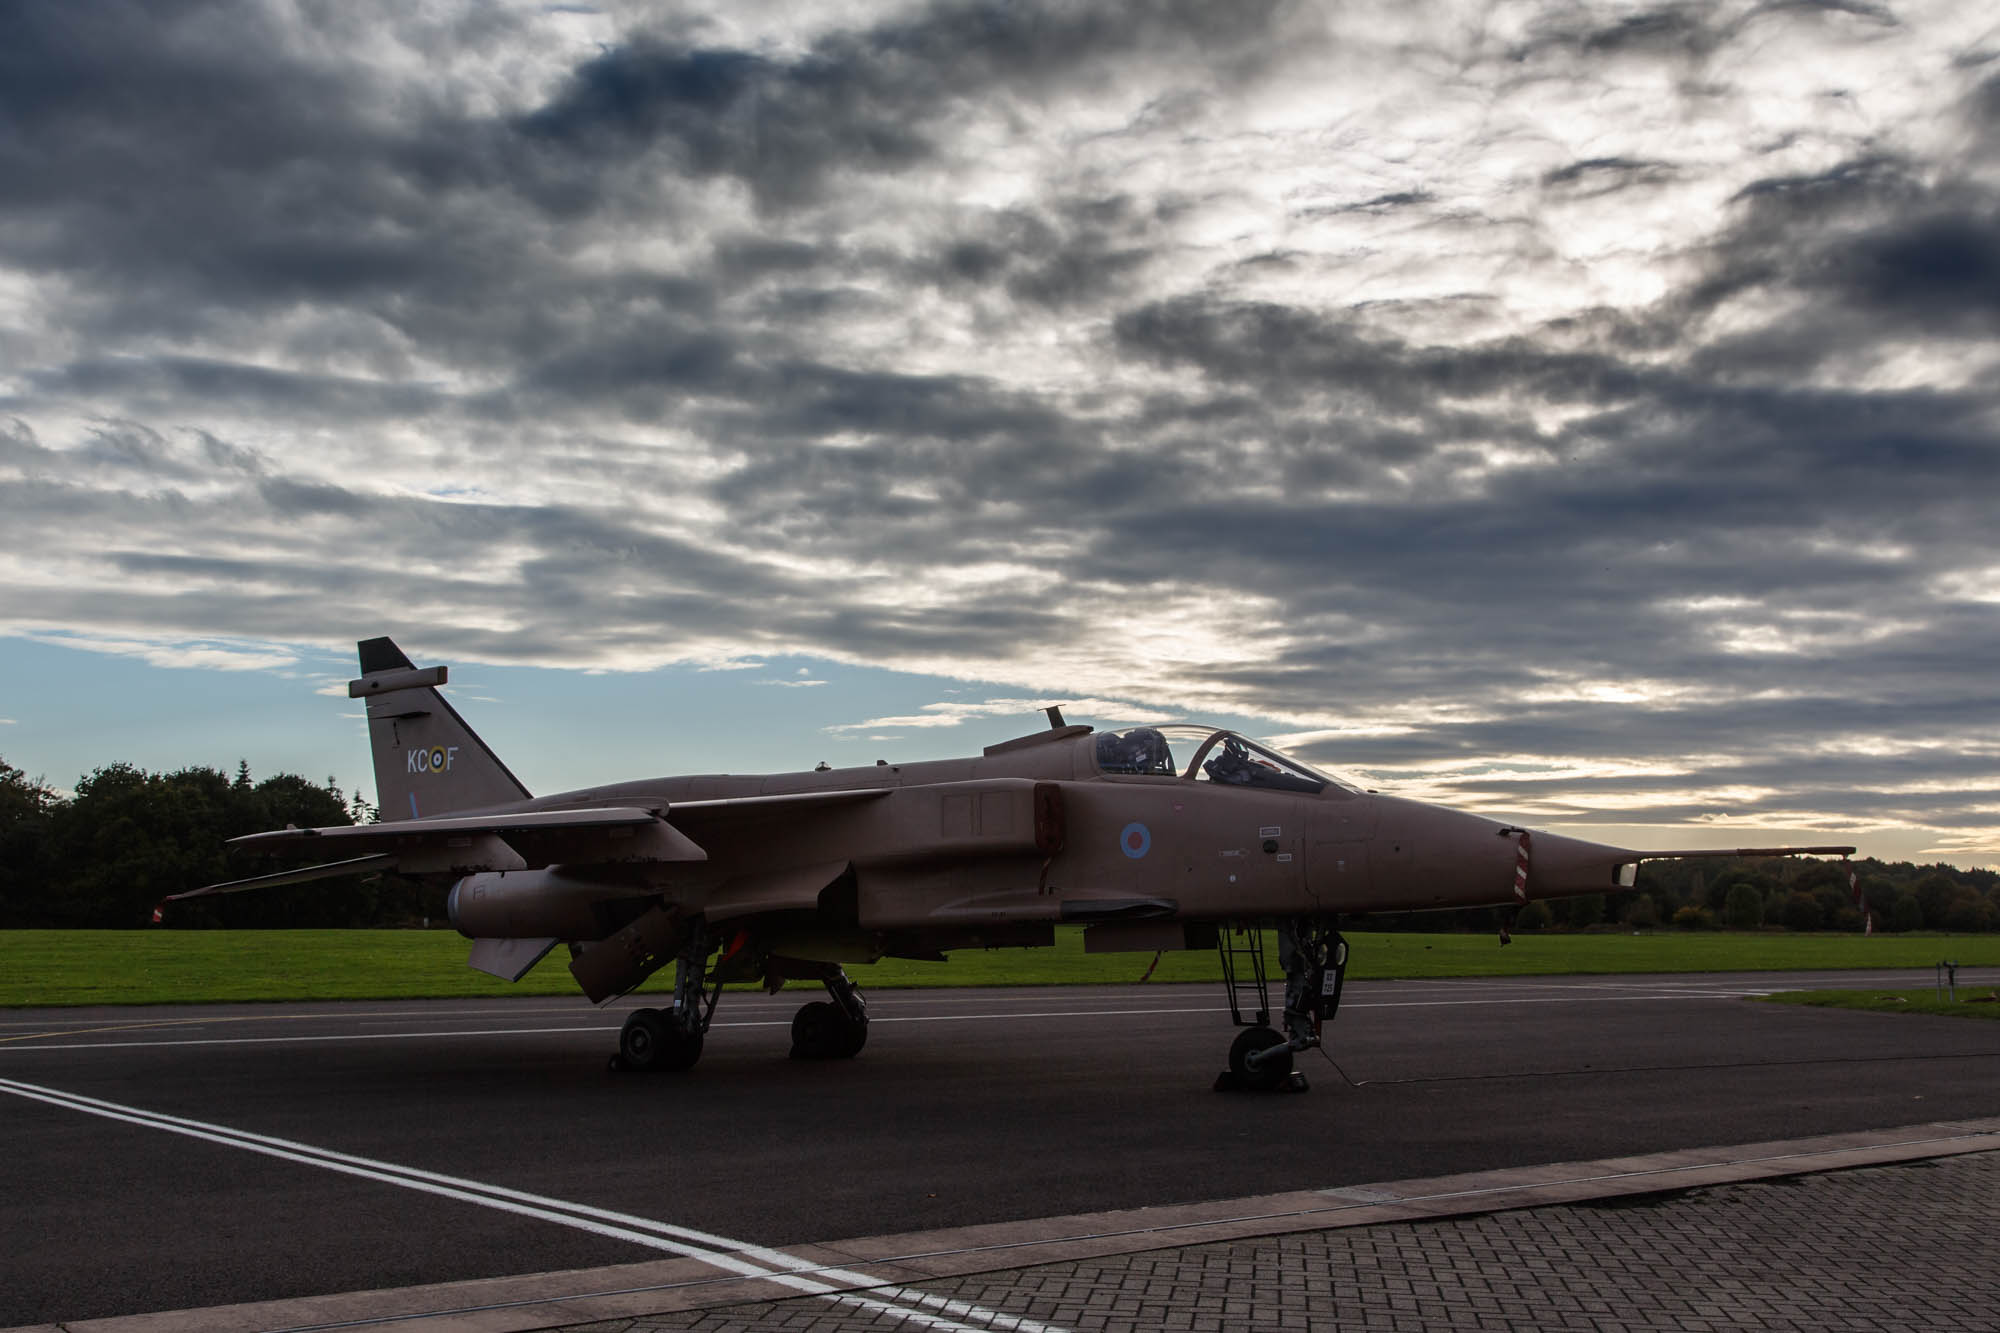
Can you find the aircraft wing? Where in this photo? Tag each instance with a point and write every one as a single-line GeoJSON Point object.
{"type": "Point", "coordinates": [619, 833]}
{"type": "Point", "coordinates": [466, 844]}
{"type": "Point", "coordinates": [724, 807]}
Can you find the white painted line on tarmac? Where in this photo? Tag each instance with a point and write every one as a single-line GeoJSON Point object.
{"type": "Point", "coordinates": [306, 1038]}
{"type": "Point", "coordinates": [731, 1256]}
{"type": "Point", "coordinates": [1592, 997]}
{"type": "Point", "coordinates": [1046, 1013]}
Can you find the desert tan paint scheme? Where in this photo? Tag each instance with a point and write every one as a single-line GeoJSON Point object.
{"type": "Point", "coordinates": [1151, 838]}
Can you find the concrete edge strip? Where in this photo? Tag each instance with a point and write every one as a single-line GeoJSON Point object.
{"type": "Point", "coordinates": [543, 1300]}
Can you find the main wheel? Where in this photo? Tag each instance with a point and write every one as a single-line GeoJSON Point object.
{"type": "Point", "coordinates": [822, 1030]}
{"type": "Point", "coordinates": [853, 1036]}
{"type": "Point", "coordinates": [816, 1030]}
{"type": "Point", "coordinates": [642, 1042]}
{"type": "Point", "coordinates": [651, 1041]}
{"type": "Point", "coordinates": [683, 1049]}
{"type": "Point", "coordinates": [1268, 1073]}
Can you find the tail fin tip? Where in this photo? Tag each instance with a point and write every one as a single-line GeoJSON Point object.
{"type": "Point", "coordinates": [381, 655]}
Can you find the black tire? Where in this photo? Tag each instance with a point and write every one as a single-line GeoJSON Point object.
{"type": "Point", "coordinates": [1268, 1074]}
{"type": "Point", "coordinates": [651, 1042]}
{"type": "Point", "coordinates": [644, 1040]}
{"type": "Point", "coordinates": [816, 1031]}
{"type": "Point", "coordinates": [853, 1036]}
{"type": "Point", "coordinates": [683, 1049]}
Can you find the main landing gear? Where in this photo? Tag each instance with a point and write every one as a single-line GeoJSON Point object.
{"type": "Point", "coordinates": [833, 1029]}
{"type": "Point", "coordinates": [656, 1040]}
{"type": "Point", "coordinates": [671, 1039]}
{"type": "Point", "coordinates": [1314, 958]}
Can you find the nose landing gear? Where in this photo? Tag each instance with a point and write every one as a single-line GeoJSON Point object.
{"type": "Point", "coordinates": [1313, 954]}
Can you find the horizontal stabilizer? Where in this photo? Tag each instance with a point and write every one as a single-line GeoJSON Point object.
{"type": "Point", "coordinates": [360, 865]}
{"type": "Point", "coordinates": [403, 678]}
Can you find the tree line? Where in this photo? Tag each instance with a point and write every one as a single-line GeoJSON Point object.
{"type": "Point", "coordinates": [126, 839]}
{"type": "Point", "coordinates": [105, 856]}
{"type": "Point", "coordinates": [1792, 893]}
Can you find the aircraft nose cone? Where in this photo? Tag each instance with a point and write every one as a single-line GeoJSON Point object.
{"type": "Point", "coordinates": [1559, 866]}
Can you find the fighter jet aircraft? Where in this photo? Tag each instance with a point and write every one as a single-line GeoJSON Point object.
{"type": "Point", "coordinates": [1150, 838]}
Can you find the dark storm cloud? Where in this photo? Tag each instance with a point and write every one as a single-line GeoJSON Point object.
{"type": "Point", "coordinates": [159, 383]}
{"type": "Point", "coordinates": [1875, 237]}
{"type": "Point", "coordinates": [814, 399]}
{"type": "Point", "coordinates": [1657, 455]}
{"type": "Point", "coordinates": [862, 101]}
{"type": "Point", "coordinates": [790, 126]}
{"type": "Point", "coordinates": [1298, 353]}
{"type": "Point", "coordinates": [1942, 269]}
{"type": "Point", "coordinates": [597, 573]}
{"type": "Point", "coordinates": [185, 161]}
{"type": "Point", "coordinates": [1668, 31]}
{"type": "Point", "coordinates": [1686, 33]}
{"type": "Point", "coordinates": [1985, 101]}
{"type": "Point", "coordinates": [192, 142]}
{"type": "Point", "coordinates": [1077, 252]}
{"type": "Point", "coordinates": [1381, 203]}
{"type": "Point", "coordinates": [1601, 175]}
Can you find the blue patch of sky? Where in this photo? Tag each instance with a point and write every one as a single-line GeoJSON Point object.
{"type": "Point", "coordinates": [76, 710]}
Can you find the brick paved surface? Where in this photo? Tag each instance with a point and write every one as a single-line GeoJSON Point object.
{"type": "Point", "coordinates": [1910, 1247]}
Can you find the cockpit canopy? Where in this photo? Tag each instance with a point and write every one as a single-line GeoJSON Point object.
{"type": "Point", "coordinates": [1210, 754]}
{"type": "Point", "coordinates": [1136, 750]}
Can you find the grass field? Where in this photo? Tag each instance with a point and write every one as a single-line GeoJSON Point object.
{"type": "Point", "coordinates": [58, 967]}
{"type": "Point", "coordinates": [1972, 1001]}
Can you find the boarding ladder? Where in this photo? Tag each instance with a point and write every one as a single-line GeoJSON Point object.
{"type": "Point", "coordinates": [1240, 945]}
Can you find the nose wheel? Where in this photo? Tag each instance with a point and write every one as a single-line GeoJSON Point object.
{"type": "Point", "coordinates": [1273, 1057]}
{"type": "Point", "coordinates": [1314, 958]}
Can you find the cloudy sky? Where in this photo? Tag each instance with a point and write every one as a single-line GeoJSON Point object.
{"type": "Point", "coordinates": [1581, 411]}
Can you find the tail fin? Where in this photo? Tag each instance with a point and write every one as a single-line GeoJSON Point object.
{"type": "Point", "coordinates": [427, 761]}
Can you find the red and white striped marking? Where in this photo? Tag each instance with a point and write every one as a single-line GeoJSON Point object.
{"type": "Point", "coordinates": [1854, 887]}
{"type": "Point", "coordinates": [1521, 869]}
